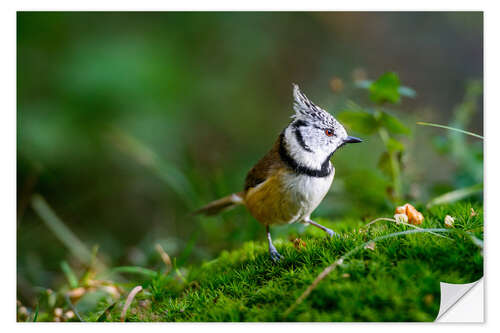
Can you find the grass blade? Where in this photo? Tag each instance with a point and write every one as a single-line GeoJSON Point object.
{"type": "Point", "coordinates": [166, 171]}
{"type": "Point", "coordinates": [134, 270]}
{"type": "Point", "coordinates": [70, 275]}
{"type": "Point", "coordinates": [35, 318]}
{"type": "Point", "coordinates": [403, 223]}
{"type": "Point", "coordinates": [73, 308]}
{"type": "Point", "coordinates": [60, 230]}
{"type": "Point", "coordinates": [456, 195]}
{"type": "Point", "coordinates": [451, 128]}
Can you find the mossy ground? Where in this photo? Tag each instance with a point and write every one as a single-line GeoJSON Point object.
{"type": "Point", "coordinates": [396, 281]}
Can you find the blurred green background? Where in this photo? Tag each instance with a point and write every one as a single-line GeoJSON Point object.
{"type": "Point", "coordinates": [126, 122]}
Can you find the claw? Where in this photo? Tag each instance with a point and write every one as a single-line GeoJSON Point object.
{"type": "Point", "coordinates": [275, 256]}
{"type": "Point", "coordinates": [331, 233]}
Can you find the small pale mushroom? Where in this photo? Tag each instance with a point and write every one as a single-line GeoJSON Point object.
{"type": "Point", "coordinates": [401, 218]}
{"type": "Point", "coordinates": [370, 246]}
{"type": "Point", "coordinates": [58, 312]}
{"type": "Point", "coordinates": [449, 221]}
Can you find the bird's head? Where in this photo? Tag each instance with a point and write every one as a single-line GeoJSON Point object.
{"type": "Point", "coordinates": [313, 135]}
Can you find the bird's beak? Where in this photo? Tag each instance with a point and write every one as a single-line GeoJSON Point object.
{"type": "Point", "coordinates": [352, 139]}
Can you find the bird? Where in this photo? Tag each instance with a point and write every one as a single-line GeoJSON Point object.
{"type": "Point", "coordinates": [291, 180]}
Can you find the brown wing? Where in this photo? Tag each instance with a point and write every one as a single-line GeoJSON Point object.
{"type": "Point", "coordinates": [264, 168]}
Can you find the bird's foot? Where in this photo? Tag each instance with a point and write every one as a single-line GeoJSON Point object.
{"type": "Point", "coordinates": [331, 233]}
{"type": "Point", "coordinates": [275, 256]}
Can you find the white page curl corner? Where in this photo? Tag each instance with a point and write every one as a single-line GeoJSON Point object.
{"type": "Point", "coordinates": [451, 298]}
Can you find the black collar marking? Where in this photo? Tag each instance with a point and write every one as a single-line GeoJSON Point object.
{"type": "Point", "coordinates": [325, 170]}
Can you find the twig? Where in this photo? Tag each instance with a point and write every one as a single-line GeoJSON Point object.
{"type": "Point", "coordinates": [129, 300]}
{"type": "Point", "coordinates": [340, 261]}
{"type": "Point", "coordinates": [313, 285]}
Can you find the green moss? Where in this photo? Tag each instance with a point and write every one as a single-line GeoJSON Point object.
{"type": "Point", "coordinates": [397, 281]}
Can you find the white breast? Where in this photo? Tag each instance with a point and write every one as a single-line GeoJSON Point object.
{"type": "Point", "coordinates": [307, 192]}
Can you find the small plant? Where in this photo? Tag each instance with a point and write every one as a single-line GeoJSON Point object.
{"type": "Point", "coordinates": [469, 155]}
{"type": "Point", "coordinates": [377, 120]}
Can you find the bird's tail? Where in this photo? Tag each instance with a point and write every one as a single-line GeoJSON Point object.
{"type": "Point", "coordinates": [220, 205]}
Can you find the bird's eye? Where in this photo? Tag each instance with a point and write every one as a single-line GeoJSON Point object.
{"type": "Point", "coordinates": [329, 132]}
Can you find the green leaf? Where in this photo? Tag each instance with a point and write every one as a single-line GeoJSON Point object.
{"type": "Point", "coordinates": [384, 164]}
{"type": "Point", "coordinates": [394, 145]}
{"type": "Point", "coordinates": [403, 90]}
{"type": "Point", "coordinates": [104, 314]}
{"type": "Point", "coordinates": [385, 89]}
{"type": "Point", "coordinates": [358, 121]}
{"type": "Point", "coordinates": [364, 84]}
{"type": "Point", "coordinates": [407, 92]}
{"type": "Point", "coordinates": [391, 123]}
{"type": "Point", "coordinates": [441, 144]}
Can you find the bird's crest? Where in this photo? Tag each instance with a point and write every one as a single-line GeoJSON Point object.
{"type": "Point", "coordinates": [307, 110]}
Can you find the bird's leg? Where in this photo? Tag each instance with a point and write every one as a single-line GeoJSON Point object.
{"type": "Point", "coordinates": [330, 232]}
{"type": "Point", "coordinates": [275, 256]}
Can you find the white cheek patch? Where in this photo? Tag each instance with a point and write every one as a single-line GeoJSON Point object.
{"type": "Point", "coordinates": [313, 159]}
